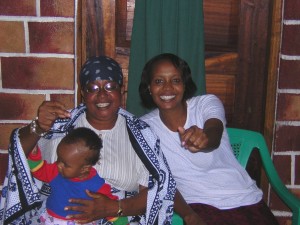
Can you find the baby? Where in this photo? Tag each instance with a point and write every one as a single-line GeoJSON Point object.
{"type": "Point", "coordinates": [71, 174]}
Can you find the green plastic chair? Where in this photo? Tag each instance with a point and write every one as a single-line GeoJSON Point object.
{"type": "Point", "coordinates": [177, 220]}
{"type": "Point", "coordinates": [243, 142]}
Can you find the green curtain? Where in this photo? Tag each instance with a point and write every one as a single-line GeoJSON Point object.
{"type": "Point", "coordinates": [160, 26]}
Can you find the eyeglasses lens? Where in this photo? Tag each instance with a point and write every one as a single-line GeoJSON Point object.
{"type": "Point", "coordinates": [109, 87]}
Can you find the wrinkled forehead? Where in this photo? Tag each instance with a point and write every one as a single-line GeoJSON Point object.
{"type": "Point", "coordinates": [100, 68]}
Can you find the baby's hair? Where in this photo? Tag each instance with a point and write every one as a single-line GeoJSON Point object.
{"type": "Point", "coordinates": [91, 140]}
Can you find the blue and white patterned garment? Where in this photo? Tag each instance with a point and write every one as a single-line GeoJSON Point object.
{"type": "Point", "coordinates": [21, 200]}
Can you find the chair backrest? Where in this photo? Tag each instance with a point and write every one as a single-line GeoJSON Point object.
{"type": "Point", "coordinates": [243, 142]}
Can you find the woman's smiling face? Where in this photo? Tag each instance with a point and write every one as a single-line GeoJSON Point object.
{"type": "Point", "coordinates": [102, 105]}
{"type": "Point", "coordinates": [166, 86]}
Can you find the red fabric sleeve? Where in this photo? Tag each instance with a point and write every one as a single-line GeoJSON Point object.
{"type": "Point", "coordinates": [47, 172]}
{"type": "Point", "coordinates": [35, 156]}
{"type": "Point", "coordinates": [40, 169]}
{"type": "Point", "coordinates": [106, 190]}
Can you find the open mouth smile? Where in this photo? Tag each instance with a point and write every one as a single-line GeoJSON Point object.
{"type": "Point", "coordinates": [167, 97]}
{"type": "Point", "coordinates": [102, 105]}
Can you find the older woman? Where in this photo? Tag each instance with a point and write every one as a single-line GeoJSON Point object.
{"type": "Point", "coordinates": [197, 148]}
{"type": "Point", "coordinates": [131, 160]}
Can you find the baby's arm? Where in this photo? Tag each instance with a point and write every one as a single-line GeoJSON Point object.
{"type": "Point", "coordinates": [39, 168]}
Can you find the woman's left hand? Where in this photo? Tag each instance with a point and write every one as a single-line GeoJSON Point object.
{"type": "Point", "coordinates": [90, 210]}
{"type": "Point", "coordinates": [193, 138]}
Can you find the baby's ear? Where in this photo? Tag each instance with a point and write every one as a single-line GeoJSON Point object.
{"type": "Point", "coordinates": [86, 168]}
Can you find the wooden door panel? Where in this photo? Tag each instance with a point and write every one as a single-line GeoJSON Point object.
{"type": "Point", "coordinates": [223, 86]}
{"type": "Point", "coordinates": [221, 72]}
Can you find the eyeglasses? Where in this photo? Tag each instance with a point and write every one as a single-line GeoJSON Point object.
{"type": "Point", "coordinates": [94, 88]}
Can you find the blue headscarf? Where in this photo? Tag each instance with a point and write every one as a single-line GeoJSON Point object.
{"type": "Point", "coordinates": [100, 68]}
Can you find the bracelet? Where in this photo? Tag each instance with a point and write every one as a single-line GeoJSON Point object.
{"type": "Point", "coordinates": [120, 211]}
{"type": "Point", "coordinates": [34, 126]}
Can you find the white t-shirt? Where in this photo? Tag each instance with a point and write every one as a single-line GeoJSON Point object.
{"type": "Point", "coordinates": [215, 178]}
{"type": "Point", "coordinates": [119, 165]}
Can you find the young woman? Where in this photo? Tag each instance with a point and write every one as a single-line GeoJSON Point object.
{"type": "Point", "coordinates": [195, 142]}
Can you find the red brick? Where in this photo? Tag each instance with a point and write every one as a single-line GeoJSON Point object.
{"type": "Point", "coordinates": [291, 10]}
{"type": "Point", "coordinates": [289, 74]}
{"type": "Point", "coordinates": [296, 192]}
{"type": "Point", "coordinates": [288, 107]}
{"type": "Point", "coordinates": [290, 40]}
{"type": "Point", "coordinates": [283, 220]}
{"type": "Point", "coordinates": [287, 138]}
{"type": "Point", "coordinates": [276, 203]}
{"type": "Point", "coordinates": [297, 171]}
{"type": "Point", "coordinates": [61, 8]}
{"type": "Point", "coordinates": [53, 37]}
{"type": "Point", "coordinates": [282, 164]}
{"type": "Point", "coordinates": [40, 73]}
{"type": "Point", "coordinates": [18, 8]}
{"type": "Point", "coordinates": [3, 166]}
{"type": "Point", "coordinates": [19, 106]}
{"type": "Point", "coordinates": [12, 37]}
{"type": "Point", "coordinates": [5, 131]}
{"type": "Point", "coordinates": [67, 100]}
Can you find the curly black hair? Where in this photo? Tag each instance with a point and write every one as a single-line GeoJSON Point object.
{"type": "Point", "coordinates": [180, 64]}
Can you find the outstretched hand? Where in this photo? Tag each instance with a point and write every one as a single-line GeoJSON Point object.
{"type": "Point", "coordinates": [193, 138]}
{"type": "Point", "coordinates": [100, 206]}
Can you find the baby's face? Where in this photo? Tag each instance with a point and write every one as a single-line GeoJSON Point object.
{"type": "Point", "coordinates": [71, 159]}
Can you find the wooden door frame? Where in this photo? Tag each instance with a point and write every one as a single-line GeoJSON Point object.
{"type": "Point", "coordinates": [275, 41]}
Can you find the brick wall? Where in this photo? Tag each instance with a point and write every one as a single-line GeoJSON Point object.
{"type": "Point", "coordinates": [287, 125]}
{"type": "Point", "coordinates": [37, 61]}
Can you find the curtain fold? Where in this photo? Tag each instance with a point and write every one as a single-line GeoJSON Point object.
{"type": "Point", "coordinates": [165, 26]}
